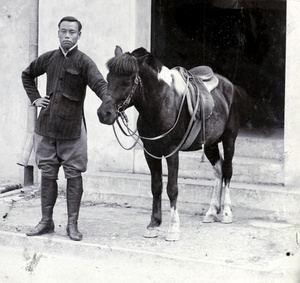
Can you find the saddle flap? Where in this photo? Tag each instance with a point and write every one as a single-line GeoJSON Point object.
{"type": "Point", "coordinates": [199, 100]}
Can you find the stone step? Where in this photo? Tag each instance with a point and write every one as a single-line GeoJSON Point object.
{"type": "Point", "coordinates": [245, 169]}
{"type": "Point", "coordinates": [257, 144]}
{"type": "Point", "coordinates": [194, 194]}
{"type": "Point", "coordinates": [258, 159]}
{"type": "Point", "coordinates": [260, 145]}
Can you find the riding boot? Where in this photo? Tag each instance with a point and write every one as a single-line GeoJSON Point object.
{"type": "Point", "coordinates": [74, 194]}
{"type": "Point", "coordinates": [48, 199]}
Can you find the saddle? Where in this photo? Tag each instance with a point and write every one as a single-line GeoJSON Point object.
{"type": "Point", "coordinates": [207, 76]}
{"type": "Point", "coordinates": [200, 82]}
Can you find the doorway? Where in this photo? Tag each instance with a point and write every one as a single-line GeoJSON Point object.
{"type": "Point", "coordinates": [242, 40]}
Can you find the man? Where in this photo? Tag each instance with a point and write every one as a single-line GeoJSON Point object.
{"type": "Point", "coordinates": [60, 133]}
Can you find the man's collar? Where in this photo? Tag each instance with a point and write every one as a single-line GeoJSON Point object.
{"type": "Point", "coordinates": [69, 51]}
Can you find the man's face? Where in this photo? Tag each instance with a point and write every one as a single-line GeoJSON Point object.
{"type": "Point", "coordinates": [68, 34]}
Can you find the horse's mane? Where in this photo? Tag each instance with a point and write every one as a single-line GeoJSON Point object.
{"type": "Point", "coordinates": [154, 64]}
{"type": "Point", "coordinates": [127, 63]}
{"type": "Point", "coordinates": [124, 64]}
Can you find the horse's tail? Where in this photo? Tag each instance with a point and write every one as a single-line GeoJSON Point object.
{"type": "Point", "coordinates": [245, 104]}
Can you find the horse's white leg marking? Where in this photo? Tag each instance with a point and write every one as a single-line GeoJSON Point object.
{"type": "Point", "coordinates": [151, 232]}
{"type": "Point", "coordinates": [173, 233]}
{"type": "Point", "coordinates": [215, 203]}
{"type": "Point", "coordinates": [227, 212]}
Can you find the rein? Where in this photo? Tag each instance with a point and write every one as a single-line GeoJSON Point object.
{"type": "Point", "coordinates": [121, 113]}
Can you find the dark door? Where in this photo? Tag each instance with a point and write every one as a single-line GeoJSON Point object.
{"type": "Point", "coordinates": [242, 40]}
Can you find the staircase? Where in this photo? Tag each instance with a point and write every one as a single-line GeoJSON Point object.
{"type": "Point", "coordinates": [257, 160]}
{"type": "Point", "coordinates": [257, 181]}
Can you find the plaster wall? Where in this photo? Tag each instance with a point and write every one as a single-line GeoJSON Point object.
{"type": "Point", "coordinates": [14, 56]}
{"type": "Point", "coordinates": [105, 25]}
{"type": "Point", "coordinates": [292, 97]}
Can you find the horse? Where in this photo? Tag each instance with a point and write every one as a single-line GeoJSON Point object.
{"type": "Point", "coordinates": [160, 96]}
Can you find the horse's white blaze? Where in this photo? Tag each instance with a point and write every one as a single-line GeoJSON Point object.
{"type": "Point", "coordinates": [179, 84]}
{"type": "Point", "coordinates": [172, 78]}
{"type": "Point", "coordinates": [165, 75]}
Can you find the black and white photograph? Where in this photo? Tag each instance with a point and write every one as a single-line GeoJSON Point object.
{"type": "Point", "coordinates": [150, 141]}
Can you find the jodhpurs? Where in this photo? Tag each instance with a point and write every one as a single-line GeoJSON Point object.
{"type": "Point", "coordinates": [51, 153]}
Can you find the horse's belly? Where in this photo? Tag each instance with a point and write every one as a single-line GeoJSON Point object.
{"type": "Point", "coordinates": [195, 146]}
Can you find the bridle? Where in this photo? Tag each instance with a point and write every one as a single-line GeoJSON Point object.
{"type": "Point", "coordinates": [121, 113]}
{"type": "Point", "coordinates": [126, 102]}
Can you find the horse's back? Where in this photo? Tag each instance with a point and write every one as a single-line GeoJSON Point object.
{"type": "Point", "coordinates": [238, 101]}
{"type": "Point", "coordinates": [230, 108]}
{"type": "Point", "coordinates": [223, 96]}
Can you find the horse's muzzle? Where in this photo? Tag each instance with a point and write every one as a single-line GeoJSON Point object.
{"type": "Point", "coordinates": [106, 116]}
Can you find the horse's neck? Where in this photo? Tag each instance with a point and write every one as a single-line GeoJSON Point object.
{"type": "Point", "coordinates": [152, 102]}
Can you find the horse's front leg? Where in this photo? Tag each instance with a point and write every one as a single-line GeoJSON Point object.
{"type": "Point", "coordinates": [173, 233]}
{"type": "Point", "coordinates": [155, 166]}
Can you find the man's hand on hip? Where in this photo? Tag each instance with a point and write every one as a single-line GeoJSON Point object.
{"type": "Point", "coordinates": [42, 102]}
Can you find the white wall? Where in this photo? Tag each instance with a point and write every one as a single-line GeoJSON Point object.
{"type": "Point", "coordinates": [292, 97]}
{"type": "Point", "coordinates": [14, 54]}
{"type": "Point", "coordinates": [105, 25]}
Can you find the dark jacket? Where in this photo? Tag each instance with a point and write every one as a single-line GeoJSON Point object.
{"type": "Point", "coordinates": [67, 78]}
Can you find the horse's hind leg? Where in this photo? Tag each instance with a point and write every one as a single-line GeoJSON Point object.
{"type": "Point", "coordinates": [173, 233]}
{"type": "Point", "coordinates": [228, 145]}
{"type": "Point", "coordinates": [155, 166]}
{"type": "Point", "coordinates": [213, 154]}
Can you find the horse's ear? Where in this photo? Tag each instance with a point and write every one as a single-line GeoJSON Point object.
{"type": "Point", "coordinates": [118, 51]}
{"type": "Point", "coordinates": [151, 61]}
{"type": "Point", "coordinates": [143, 58]}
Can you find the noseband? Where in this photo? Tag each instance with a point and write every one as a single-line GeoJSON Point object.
{"type": "Point", "coordinates": [126, 102]}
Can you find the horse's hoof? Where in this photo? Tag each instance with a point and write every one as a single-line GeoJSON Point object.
{"type": "Point", "coordinates": [227, 219]}
{"type": "Point", "coordinates": [151, 233]}
{"type": "Point", "coordinates": [173, 236]}
{"type": "Point", "coordinates": [210, 218]}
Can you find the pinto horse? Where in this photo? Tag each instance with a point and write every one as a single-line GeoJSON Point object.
{"type": "Point", "coordinates": [160, 96]}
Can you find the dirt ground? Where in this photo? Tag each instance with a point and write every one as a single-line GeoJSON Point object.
{"type": "Point", "coordinates": [257, 247]}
